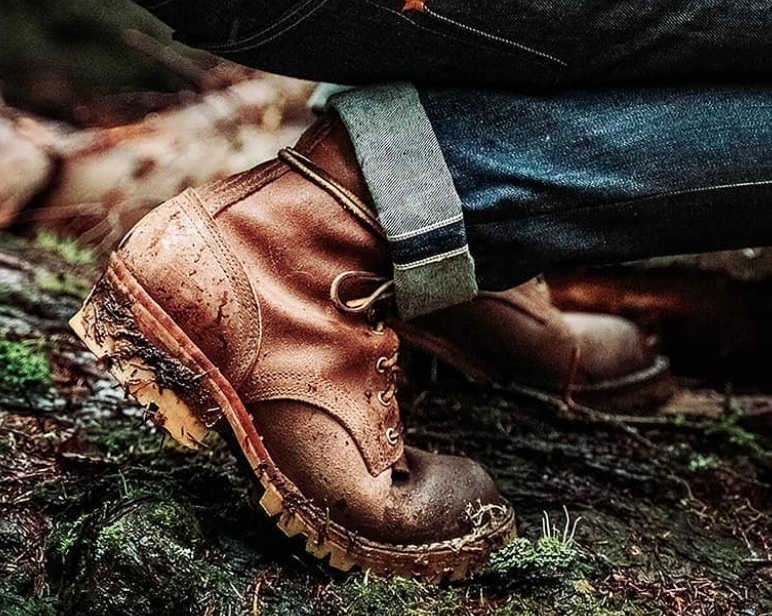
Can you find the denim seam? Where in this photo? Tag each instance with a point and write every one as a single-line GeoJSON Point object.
{"type": "Point", "coordinates": [155, 5]}
{"type": "Point", "coordinates": [433, 227]}
{"type": "Point", "coordinates": [250, 41]}
{"type": "Point", "coordinates": [435, 259]}
{"type": "Point", "coordinates": [494, 37]}
{"type": "Point", "coordinates": [454, 37]}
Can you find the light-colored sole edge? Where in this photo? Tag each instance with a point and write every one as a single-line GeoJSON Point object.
{"type": "Point", "coordinates": [186, 395]}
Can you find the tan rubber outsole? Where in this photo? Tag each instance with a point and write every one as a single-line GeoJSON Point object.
{"type": "Point", "coordinates": [187, 396]}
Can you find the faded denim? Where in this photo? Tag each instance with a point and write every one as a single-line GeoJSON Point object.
{"type": "Point", "coordinates": [417, 202]}
{"type": "Point", "coordinates": [605, 176]}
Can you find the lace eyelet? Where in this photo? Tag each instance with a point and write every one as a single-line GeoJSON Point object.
{"type": "Point", "coordinates": [380, 368]}
{"type": "Point", "coordinates": [392, 437]}
{"type": "Point", "coordinates": [378, 328]}
{"type": "Point", "coordinates": [382, 399]}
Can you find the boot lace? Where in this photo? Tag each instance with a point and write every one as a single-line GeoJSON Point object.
{"type": "Point", "coordinates": [371, 306]}
{"type": "Point", "coordinates": [384, 291]}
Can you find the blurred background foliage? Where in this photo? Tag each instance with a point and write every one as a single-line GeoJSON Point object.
{"type": "Point", "coordinates": [57, 54]}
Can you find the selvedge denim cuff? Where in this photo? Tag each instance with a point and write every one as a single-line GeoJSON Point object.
{"type": "Point", "coordinates": [414, 194]}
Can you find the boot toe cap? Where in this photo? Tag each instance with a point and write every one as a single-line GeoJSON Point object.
{"type": "Point", "coordinates": [610, 347]}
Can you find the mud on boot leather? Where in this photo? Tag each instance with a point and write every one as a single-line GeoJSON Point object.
{"type": "Point", "coordinates": [255, 305]}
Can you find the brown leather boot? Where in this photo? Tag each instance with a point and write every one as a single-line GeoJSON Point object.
{"type": "Point", "coordinates": [519, 337]}
{"type": "Point", "coordinates": [252, 305]}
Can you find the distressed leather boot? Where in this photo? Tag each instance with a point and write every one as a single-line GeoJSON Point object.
{"type": "Point", "coordinates": [255, 306]}
{"type": "Point", "coordinates": [519, 338]}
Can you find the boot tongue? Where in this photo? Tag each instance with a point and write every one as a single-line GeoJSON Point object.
{"type": "Point", "coordinates": [330, 148]}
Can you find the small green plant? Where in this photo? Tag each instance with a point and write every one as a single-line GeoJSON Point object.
{"type": "Point", "coordinates": [555, 552]}
{"type": "Point", "coordinates": [22, 365]}
{"type": "Point", "coordinates": [703, 463]}
{"type": "Point", "coordinates": [67, 248]}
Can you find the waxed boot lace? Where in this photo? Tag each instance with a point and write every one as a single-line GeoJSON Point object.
{"type": "Point", "coordinates": [371, 306]}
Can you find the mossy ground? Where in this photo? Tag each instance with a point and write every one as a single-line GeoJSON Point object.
{"type": "Point", "coordinates": [102, 515]}
{"type": "Point", "coordinates": [22, 364]}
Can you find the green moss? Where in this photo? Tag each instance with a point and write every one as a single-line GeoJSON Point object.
{"type": "Point", "coordinates": [145, 557]}
{"type": "Point", "coordinates": [62, 283]}
{"type": "Point", "coordinates": [737, 435]}
{"type": "Point", "coordinates": [703, 463]}
{"type": "Point", "coordinates": [63, 538]}
{"type": "Point", "coordinates": [288, 599]}
{"type": "Point", "coordinates": [398, 597]}
{"type": "Point", "coordinates": [573, 599]}
{"type": "Point", "coordinates": [12, 604]}
{"type": "Point", "coordinates": [547, 557]}
{"type": "Point", "coordinates": [67, 248]}
{"type": "Point", "coordinates": [22, 365]}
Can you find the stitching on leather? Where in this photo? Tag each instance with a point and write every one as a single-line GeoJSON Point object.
{"type": "Point", "coordinates": [348, 200]}
{"type": "Point", "coordinates": [289, 387]}
{"type": "Point", "coordinates": [220, 195]}
{"type": "Point", "coordinates": [370, 447]}
{"type": "Point", "coordinates": [234, 270]}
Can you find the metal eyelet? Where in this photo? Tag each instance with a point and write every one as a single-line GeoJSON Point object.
{"type": "Point", "coordinates": [379, 365]}
{"type": "Point", "coordinates": [379, 329]}
{"type": "Point", "coordinates": [392, 436]}
{"type": "Point", "coordinates": [382, 399]}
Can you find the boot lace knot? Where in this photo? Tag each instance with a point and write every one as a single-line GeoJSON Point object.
{"type": "Point", "coordinates": [370, 303]}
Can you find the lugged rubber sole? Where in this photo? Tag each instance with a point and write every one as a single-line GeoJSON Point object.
{"type": "Point", "coordinates": [186, 395]}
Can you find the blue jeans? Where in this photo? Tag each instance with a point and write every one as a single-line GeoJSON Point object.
{"type": "Point", "coordinates": [593, 177]}
{"type": "Point", "coordinates": [484, 188]}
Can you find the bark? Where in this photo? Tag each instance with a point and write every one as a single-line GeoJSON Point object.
{"type": "Point", "coordinates": [25, 166]}
{"type": "Point", "coordinates": [95, 183]}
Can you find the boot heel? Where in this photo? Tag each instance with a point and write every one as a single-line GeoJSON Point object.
{"type": "Point", "coordinates": [137, 355]}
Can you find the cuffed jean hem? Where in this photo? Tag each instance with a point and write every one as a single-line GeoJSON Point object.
{"type": "Point", "coordinates": [413, 191]}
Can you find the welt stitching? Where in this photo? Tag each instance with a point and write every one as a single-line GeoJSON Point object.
{"type": "Point", "coordinates": [494, 37]}
{"type": "Point", "coordinates": [255, 40]}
